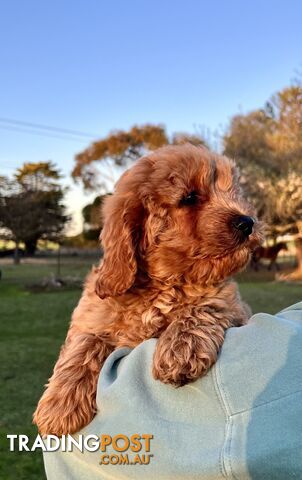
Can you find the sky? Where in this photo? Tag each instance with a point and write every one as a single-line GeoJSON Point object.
{"type": "Point", "coordinates": [96, 66]}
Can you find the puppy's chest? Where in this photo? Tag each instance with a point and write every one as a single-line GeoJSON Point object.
{"type": "Point", "coordinates": [158, 317]}
{"type": "Point", "coordinates": [190, 310]}
{"type": "Point", "coordinates": [145, 321]}
{"type": "Point", "coordinates": [150, 321]}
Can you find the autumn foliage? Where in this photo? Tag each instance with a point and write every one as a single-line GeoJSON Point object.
{"type": "Point", "coordinates": [123, 147]}
{"type": "Point", "coordinates": [267, 143]}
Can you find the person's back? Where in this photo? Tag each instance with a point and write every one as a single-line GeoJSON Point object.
{"type": "Point", "coordinates": [243, 420]}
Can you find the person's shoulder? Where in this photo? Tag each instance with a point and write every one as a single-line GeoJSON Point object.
{"type": "Point", "coordinates": [261, 361]}
{"type": "Point", "coordinates": [294, 312]}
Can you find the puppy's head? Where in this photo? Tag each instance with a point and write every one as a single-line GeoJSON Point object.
{"type": "Point", "coordinates": [177, 216]}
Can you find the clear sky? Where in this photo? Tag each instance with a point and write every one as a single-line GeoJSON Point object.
{"type": "Point", "coordinates": [95, 66]}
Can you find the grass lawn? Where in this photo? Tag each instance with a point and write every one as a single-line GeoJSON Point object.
{"type": "Point", "coordinates": [32, 328]}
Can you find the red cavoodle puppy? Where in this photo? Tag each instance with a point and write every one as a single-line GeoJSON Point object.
{"type": "Point", "coordinates": [175, 230]}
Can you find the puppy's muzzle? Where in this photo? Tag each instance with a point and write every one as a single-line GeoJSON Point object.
{"type": "Point", "coordinates": [244, 224]}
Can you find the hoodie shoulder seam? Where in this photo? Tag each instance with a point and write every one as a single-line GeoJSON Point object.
{"type": "Point", "coordinates": [225, 454]}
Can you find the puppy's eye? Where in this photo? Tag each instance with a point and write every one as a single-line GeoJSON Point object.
{"type": "Point", "coordinates": [190, 199]}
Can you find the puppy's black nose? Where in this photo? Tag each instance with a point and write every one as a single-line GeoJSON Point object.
{"type": "Point", "coordinates": [244, 224]}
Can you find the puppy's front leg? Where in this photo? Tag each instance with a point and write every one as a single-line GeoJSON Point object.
{"type": "Point", "coordinates": [68, 403]}
{"type": "Point", "coordinates": [188, 348]}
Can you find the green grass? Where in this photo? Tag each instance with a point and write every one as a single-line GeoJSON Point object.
{"type": "Point", "coordinates": [34, 325]}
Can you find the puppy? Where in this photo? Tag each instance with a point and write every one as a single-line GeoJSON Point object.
{"type": "Point", "coordinates": [175, 230]}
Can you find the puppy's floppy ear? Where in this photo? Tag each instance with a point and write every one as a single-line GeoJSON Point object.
{"type": "Point", "coordinates": [119, 236]}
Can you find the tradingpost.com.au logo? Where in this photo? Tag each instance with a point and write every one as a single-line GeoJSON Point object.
{"type": "Point", "coordinates": [114, 450]}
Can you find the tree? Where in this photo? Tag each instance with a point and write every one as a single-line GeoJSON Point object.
{"type": "Point", "coordinates": [15, 213]}
{"type": "Point", "coordinates": [267, 144]}
{"type": "Point", "coordinates": [93, 222]}
{"type": "Point", "coordinates": [285, 141]}
{"type": "Point", "coordinates": [31, 205]}
{"type": "Point", "coordinates": [118, 150]}
{"type": "Point", "coordinates": [270, 138]}
{"type": "Point", "coordinates": [246, 140]}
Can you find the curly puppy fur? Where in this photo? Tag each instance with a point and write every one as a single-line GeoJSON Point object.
{"type": "Point", "coordinates": [170, 247]}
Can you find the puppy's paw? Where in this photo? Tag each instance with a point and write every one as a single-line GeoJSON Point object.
{"type": "Point", "coordinates": [168, 369]}
{"type": "Point", "coordinates": [185, 352]}
{"type": "Point", "coordinates": [59, 416]}
{"type": "Point", "coordinates": [69, 401]}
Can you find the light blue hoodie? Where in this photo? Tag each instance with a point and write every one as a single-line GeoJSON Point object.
{"type": "Point", "coordinates": [243, 420]}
